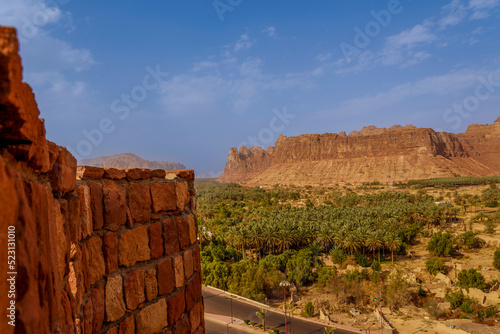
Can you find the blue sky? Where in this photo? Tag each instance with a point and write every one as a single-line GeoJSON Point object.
{"type": "Point", "coordinates": [186, 80]}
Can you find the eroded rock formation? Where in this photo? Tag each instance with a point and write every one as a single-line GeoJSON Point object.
{"type": "Point", "coordinates": [112, 251]}
{"type": "Point", "coordinates": [372, 154]}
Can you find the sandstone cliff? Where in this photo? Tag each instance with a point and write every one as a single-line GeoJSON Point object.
{"type": "Point", "coordinates": [372, 154]}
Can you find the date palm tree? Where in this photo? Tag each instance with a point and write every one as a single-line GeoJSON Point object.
{"type": "Point", "coordinates": [393, 242]}
{"type": "Point", "coordinates": [262, 314]}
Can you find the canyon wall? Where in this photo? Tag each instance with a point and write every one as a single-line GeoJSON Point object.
{"type": "Point", "coordinates": [87, 249]}
{"type": "Point", "coordinates": [372, 154]}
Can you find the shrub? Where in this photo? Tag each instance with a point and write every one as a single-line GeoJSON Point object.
{"type": "Point", "coordinates": [471, 279]}
{"type": "Point", "coordinates": [435, 265]}
{"type": "Point", "coordinates": [496, 259]}
{"type": "Point", "coordinates": [276, 330]}
{"type": "Point", "coordinates": [253, 323]}
{"type": "Point", "coordinates": [432, 308]}
{"type": "Point", "coordinates": [325, 274]}
{"type": "Point", "coordinates": [362, 260]}
{"type": "Point", "coordinates": [259, 325]}
{"type": "Point", "coordinates": [421, 292]}
{"type": "Point", "coordinates": [470, 240]}
{"type": "Point", "coordinates": [465, 307]}
{"type": "Point", "coordinates": [338, 256]}
{"type": "Point", "coordinates": [490, 311]}
{"type": "Point", "coordinates": [441, 244]}
{"type": "Point", "coordinates": [356, 275]}
{"type": "Point", "coordinates": [309, 309]}
{"type": "Point", "coordinates": [455, 299]}
{"type": "Point", "coordinates": [246, 321]}
{"type": "Point", "coordinates": [376, 266]}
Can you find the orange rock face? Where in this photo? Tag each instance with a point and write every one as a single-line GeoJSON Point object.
{"type": "Point", "coordinates": [372, 154]}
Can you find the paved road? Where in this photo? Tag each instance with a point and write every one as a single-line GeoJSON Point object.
{"type": "Point", "coordinates": [219, 303]}
{"type": "Point", "coordinates": [212, 327]}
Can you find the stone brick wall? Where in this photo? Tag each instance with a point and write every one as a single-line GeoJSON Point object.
{"type": "Point", "coordinates": [97, 250]}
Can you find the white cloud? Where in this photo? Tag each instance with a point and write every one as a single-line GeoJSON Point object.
{"type": "Point", "coordinates": [483, 4]}
{"type": "Point", "coordinates": [243, 43]}
{"type": "Point", "coordinates": [203, 65]}
{"type": "Point", "coordinates": [456, 12]}
{"type": "Point", "coordinates": [434, 85]}
{"type": "Point", "coordinates": [363, 61]}
{"type": "Point", "coordinates": [397, 47]}
{"type": "Point", "coordinates": [453, 13]}
{"type": "Point", "coordinates": [323, 57]}
{"type": "Point", "coordinates": [238, 85]}
{"type": "Point", "coordinates": [270, 31]}
{"type": "Point", "coordinates": [415, 58]}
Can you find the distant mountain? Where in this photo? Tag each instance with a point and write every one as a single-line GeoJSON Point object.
{"type": "Point", "coordinates": [371, 154]}
{"type": "Point", "coordinates": [129, 160]}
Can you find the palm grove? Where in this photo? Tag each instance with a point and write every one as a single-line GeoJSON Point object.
{"type": "Point", "coordinates": [253, 238]}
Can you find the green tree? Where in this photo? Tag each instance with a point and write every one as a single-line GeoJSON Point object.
{"type": "Point", "coordinates": [262, 315]}
{"type": "Point", "coordinates": [435, 265]}
{"type": "Point", "coordinates": [441, 244]}
{"type": "Point", "coordinates": [470, 279]}
{"type": "Point", "coordinates": [309, 309]}
{"type": "Point", "coordinates": [496, 259]}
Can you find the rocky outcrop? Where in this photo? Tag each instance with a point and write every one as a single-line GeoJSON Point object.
{"type": "Point", "coordinates": [129, 160]}
{"type": "Point", "coordinates": [372, 154]}
{"type": "Point", "coordinates": [87, 249]}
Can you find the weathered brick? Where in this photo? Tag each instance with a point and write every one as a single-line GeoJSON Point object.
{"type": "Point", "coordinates": [182, 192]}
{"type": "Point", "coordinates": [182, 326]}
{"type": "Point", "coordinates": [193, 291]}
{"type": "Point", "coordinates": [96, 204]}
{"type": "Point", "coordinates": [134, 289]}
{"type": "Point", "coordinates": [97, 296]}
{"type": "Point", "coordinates": [183, 231]}
{"type": "Point", "coordinates": [89, 172]}
{"type": "Point", "coordinates": [96, 268]}
{"type": "Point", "coordinates": [114, 173]}
{"type": "Point", "coordinates": [179, 271]}
{"type": "Point", "coordinates": [176, 307]}
{"type": "Point", "coordinates": [110, 247]}
{"type": "Point", "coordinates": [193, 229]}
{"type": "Point", "coordinates": [188, 263]}
{"type": "Point", "coordinates": [170, 236]}
{"type": "Point", "coordinates": [138, 174]}
{"type": "Point", "coordinates": [85, 267]}
{"type": "Point", "coordinates": [196, 316]}
{"type": "Point", "coordinates": [152, 318]}
{"type": "Point", "coordinates": [113, 330]}
{"type": "Point", "coordinates": [69, 323]}
{"type": "Point", "coordinates": [196, 258]}
{"type": "Point", "coordinates": [155, 240]}
{"type": "Point", "coordinates": [62, 176]}
{"type": "Point", "coordinates": [85, 210]}
{"type": "Point", "coordinates": [139, 201]}
{"type": "Point", "coordinates": [187, 174]}
{"type": "Point", "coordinates": [151, 284]}
{"type": "Point", "coordinates": [158, 173]}
{"type": "Point", "coordinates": [165, 277]}
{"type": "Point", "coordinates": [115, 306]}
{"type": "Point", "coordinates": [163, 196]}
{"type": "Point", "coordinates": [134, 246]}
{"type": "Point", "coordinates": [127, 326]}
{"type": "Point", "coordinates": [87, 317]}
{"type": "Point", "coordinates": [115, 205]}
